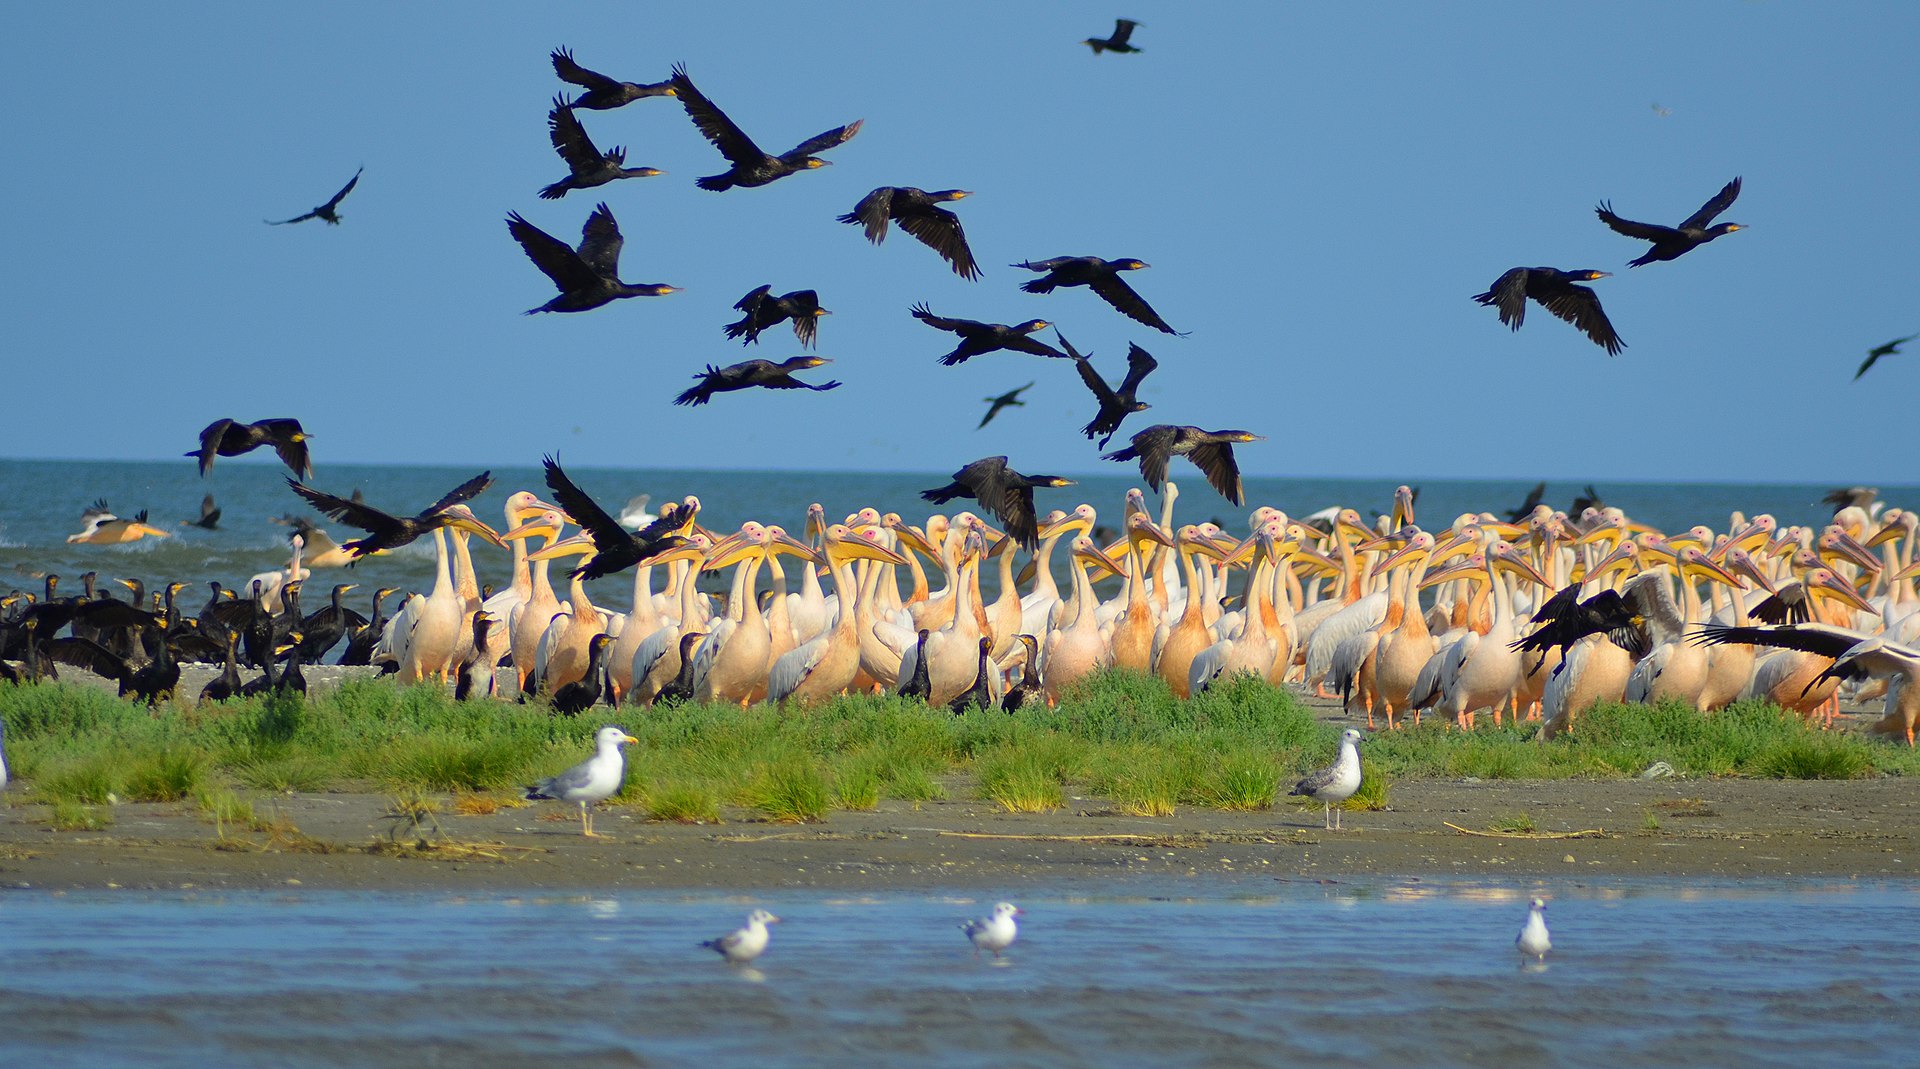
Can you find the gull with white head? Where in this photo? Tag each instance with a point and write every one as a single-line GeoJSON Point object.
{"type": "Point", "coordinates": [742, 945]}
{"type": "Point", "coordinates": [1533, 940]}
{"type": "Point", "coordinates": [592, 781]}
{"type": "Point", "coordinates": [994, 933]}
{"type": "Point", "coordinates": [1336, 782]}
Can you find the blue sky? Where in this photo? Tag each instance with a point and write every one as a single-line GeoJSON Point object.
{"type": "Point", "coordinates": [1320, 189]}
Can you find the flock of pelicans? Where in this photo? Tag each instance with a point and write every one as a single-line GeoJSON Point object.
{"type": "Point", "coordinates": [1534, 614]}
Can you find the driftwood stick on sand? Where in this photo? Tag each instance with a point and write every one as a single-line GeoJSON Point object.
{"type": "Point", "coordinates": [1590, 833]}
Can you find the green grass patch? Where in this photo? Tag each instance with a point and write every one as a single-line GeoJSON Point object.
{"type": "Point", "coordinates": [165, 776]}
{"type": "Point", "coordinates": [686, 802]}
{"type": "Point", "coordinates": [791, 791]}
{"type": "Point", "coordinates": [69, 815]}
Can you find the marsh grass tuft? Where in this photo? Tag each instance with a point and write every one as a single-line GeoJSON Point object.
{"type": "Point", "coordinates": [165, 776]}
{"type": "Point", "coordinates": [225, 808]}
{"type": "Point", "coordinates": [1372, 795]}
{"type": "Point", "coordinates": [1019, 781]}
{"type": "Point", "coordinates": [791, 791]}
{"type": "Point", "coordinates": [70, 815]}
{"type": "Point", "coordinates": [685, 802]}
{"type": "Point", "coordinates": [1518, 823]}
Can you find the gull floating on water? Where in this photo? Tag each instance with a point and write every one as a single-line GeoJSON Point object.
{"type": "Point", "coordinates": [1337, 781]}
{"type": "Point", "coordinates": [995, 933]}
{"type": "Point", "coordinates": [742, 945]}
{"type": "Point", "coordinates": [591, 781]}
{"type": "Point", "coordinates": [1532, 940]}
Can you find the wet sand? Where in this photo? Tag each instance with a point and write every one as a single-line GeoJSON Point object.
{"type": "Point", "coordinates": [1708, 828]}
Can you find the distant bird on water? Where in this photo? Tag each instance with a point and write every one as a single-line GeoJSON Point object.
{"type": "Point", "coordinates": [977, 338]}
{"type": "Point", "coordinates": [752, 165]}
{"type": "Point", "coordinates": [589, 165]}
{"type": "Point", "coordinates": [1115, 404]}
{"type": "Point", "coordinates": [1336, 782]}
{"type": "Point", "coordinates": [742, 945]}
{"type": "Point", "coordinates": [325, 211]}
{"type": "Point", "coordinates": [589, 277]}
{"type": "Point", "coordinates": [603, 92]}
{"type": "Point", "coordinates": [996, 932]}
{"type": "Point", "coordinates": [1874, 354]}
{"type": "Point", "coordinates": [1001, 490]}
{"type": "Point", "coordinates": [1122, 31]}
{"type": "Point", "coordinates": [763, 311]}
{"type": "Point", "coordinates": [385, 531]}
{"type": "Point", "coordinates": [229, 438]}
{"type": "Point", "coordinates": [100, 527]}
{"type": "Point", "coordinates": [919, 214]}
{"type": "Point", "coordinates": [1555, 291]}
{"type": "Point", "coordinates": [1010, 399]}
{"type": "Point", "coordinates": [750, 373]}
{"type": "Point", "coordinates": [592, 781]}
{"type": "Point", "coordinates": [1671, 242]}
{"type": "Point", "coordinates": [1210, 451]}
{"type": "Point", "coordinates": [209, 516]}
{"type": "Point", "coordinates": [1100, 276]}
{"type": "Point", "coordinates": [1533, 940]}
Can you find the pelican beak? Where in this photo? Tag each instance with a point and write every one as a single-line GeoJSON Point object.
{"type": "Point", "coordinates": [855, 547]}
{"type": "Point", "coordinates": [1832, 585]}
{"type": "Point", "coordinates": [533, 527]}
{"type": "Point", "coordinates": [1744, 566]}
{"type": "Point", "coordinates": [1099, 556]}
{"type": "Point", "coordinates": [1886, 534]}
{"type": "Point", "coordinates": [1908, 572]}
{"type": "Point", "coordinates": [691, 551]}
{"type": "Point", "coordinates": [1410, 550]}
{"type": "Point", "coordinates": [1147, 531]}
{"type": "Point", "coordinates": [1624, 556]}
{"type": "Point", "coordinates": [579, 545]}
{"type": "Point", "coordinates": [1698, 565]}
{"type": "Point", "coordinates": [792, 546]}
{"type": "Point", "coordinates": [534, 508]}
{"type": "Point", "coordinates": [1513, 560]}
{"type": "Point", "coordinates": [475, 525]}
{"type": "Point", "coordinates": [1837, 543]}
{"type": "Point", "coordinates": [1471, 564]}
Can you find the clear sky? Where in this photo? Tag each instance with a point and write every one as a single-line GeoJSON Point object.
{"type": "Point", "coordinates": [1319, 188]}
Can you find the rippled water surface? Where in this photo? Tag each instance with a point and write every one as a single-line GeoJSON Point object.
{"type": "Point", "coordinates": [1412, 974]}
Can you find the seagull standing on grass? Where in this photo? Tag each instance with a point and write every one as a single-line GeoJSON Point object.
{"type": "Point", "coordinates": [1533, 941]}
{"type": "Point", "coordinates": [1336, 782]}
{"type": "Point", "coordinates": [995, 933]}
{"type": "Point", "coordinates": [592, 781]}
{"type": "Point", "coordinates": [742, 945]}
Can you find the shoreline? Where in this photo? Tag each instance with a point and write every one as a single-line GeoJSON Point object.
{"type": "Point", "coordinates": [1714, 828]}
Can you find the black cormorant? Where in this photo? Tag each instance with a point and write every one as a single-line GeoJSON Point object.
{"type": "Point", "coordinates": [615, 548]}
{"type": "Point", "coordinates": [763, 311]}
{"type": "Point", "coordinates": [1002, 491]}
{"type": "Point", "coordinates": [919, 214]}
{"type": "Point", "coordinates": [589, 165]}
{"type": "Point", "coordinates": [1100, 276]}
{"type": "Point", "coordinates": [1555, 290]}
{"type": "Point", "coordinates": [1115, 404]}
{"type": "Point", "coordinates": [750, 373]}
{"type": "Point", "coordinates": [602, 92]}
{"type": "Point", "coordinates": [1009, 399]}
{"type": "Point", "coordinates": [391, 532]}
{"type": "Point", "coordinates": [978, 338]}
{"type": "Point", "coordinates": [1210, 451]}
{"type": "Point", "coordinates": [589, 277]}
{"type": "Point", "coordinates": [228, 438]}
{"type": "Point", "coordinates": [1671, 242]}
{"type": "Point", "coordinates": [325, 211]}
{"type": "Point", "coordinates": [752, 166]}
{"type": "Point", "coordinates": [1122, 30]}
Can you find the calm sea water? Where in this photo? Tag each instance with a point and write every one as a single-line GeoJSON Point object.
{"type": "Point", "coordinates": [43, 501]}
{"type": "Point", "coordinates": [1370, 974]}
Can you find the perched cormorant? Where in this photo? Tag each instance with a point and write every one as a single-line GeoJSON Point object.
{"type": "Point", "coordinates": [750, 373]}
{"type": "Point", "coordinates": [591, 689]}
{"type": "Point", "coordinates": [602, 92]}
{"type": "Point", "coordinates": [476, 672]}
{"type": "Point", "coordinates": [149, 682]}
{"type": "Point", "coordinates": [325, 211]}
{"type": "Point", "coordinates": [1029, 688]}
{"type": "Point", "coordinates": [589, 165]}
{"type": "Point", "coordinates": [1555, 290]}
{"type": "Point", "coordinates": [1210, 451]}
{"type": "Point", "coordinates": [227, 684]}
{"type": "Point", "coordinates": [1100, 276]}
{"type": "Point", "coordinates": [1009, 399]}
{"type": "Point", "coordinates": [209, 516]}
{"type": "Point", "coordinates": [227, 438]}
{"type": "Point", "coordinates": [978, 338]}
{"type": "Point", "coordinates": [763, 311]}
{"type": "Point", "coordinates": [978, 696]}
{"type": "Point", "coordinates": [919, 684]}
{"type": "Point", "coordinates": [1874, 354]}
{"type": "Point", "coordinates": [752, 166]}
{"type": "Point", "coordinates": [1671, 242]}
{"type": "Point", "coordinates": [679, 690]}
{"type": "Point", "coordinates": [1002, 491]}
{"type": "Point", "coordinates": [1122, 30]}
{"type": "Point", "coordinates": [361, 640]}
{"type": "Point", "coordinates": [324, 627]}
{"type": "Point", "coordinates": [615, 548]}
{"type": "Point", "coordinates": [1115, 404]}
{"type": "Point", "coordinates": [919, 214]}
{"type": "Point", "coordinates": [391, 532]}
{"type": "Point", "coordinates": [589, 277]}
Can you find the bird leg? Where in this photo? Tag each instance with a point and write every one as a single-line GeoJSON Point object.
{"type": "Point", "coordinates": [1326, 816]}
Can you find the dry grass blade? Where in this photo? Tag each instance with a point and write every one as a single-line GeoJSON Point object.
{"type": "Point", "coordinates": [1589, 833]}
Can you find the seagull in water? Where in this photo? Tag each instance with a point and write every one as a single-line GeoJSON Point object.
{"type": "Point", "coordinates": [995, 933]}
{"type": "Point", "coordinates": [1532, 940]}
{"type": "Point", "coordinates": [592, 781]}
{"type": "Point", "coordinates": [742, 945]}
{"type": "Point", "coordinates": [1337, 781]}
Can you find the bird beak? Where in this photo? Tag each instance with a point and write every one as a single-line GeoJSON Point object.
{"type": "Point", "coordinates": [579, 545]}
{"type": "Point", "coordinates": [1831, 584]}
{"type": "Point", "coordinates": [531, 528]}
{"type": "Point", "coordinates": [854, 547]}
{"type": "Point", "coordinates": [630, 739]}
{"type": "Point", "coordinates": [478, 527]}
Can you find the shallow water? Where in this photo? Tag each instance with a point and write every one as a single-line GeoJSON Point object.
{"type": "Point", "coordinates": [43, 501]}
{"type": "Point", "coordinates": [1253, 973]}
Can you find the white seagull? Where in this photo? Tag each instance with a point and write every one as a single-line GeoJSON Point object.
{"type": "Point", "coordinates": [742, 945]}
{"type": "Point", "coordinates": [591, 781]}
{"type": "Point", "coordinates": [995, 933]}
{"type": "Point", "coordinates": [1532, 940]}
{"type": "Point", "coordinates": [1337, 781]}
{"type": "Point", "coordinates": [634, 514]}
